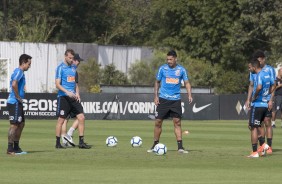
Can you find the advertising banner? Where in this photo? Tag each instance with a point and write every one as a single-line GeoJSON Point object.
{"type": "Point", "coordinates": [114, 106]}
{"type": "Point", "coordinates": [232, 107]}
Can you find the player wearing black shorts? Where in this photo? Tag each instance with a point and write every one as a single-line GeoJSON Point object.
{"type": "Point", "coordinates": [167, 98]}
{"type": "Point", "coordinates": [68, 99]}
{"type": "Point", "coordinates": [15, 105]}
{"type": "Point", "coordinates": [277, 106]}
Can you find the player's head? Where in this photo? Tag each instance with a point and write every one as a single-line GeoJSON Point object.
{"type": "Point", "coordinates": [171, 58]}
{"type": "Point", "coordinates": [25, 62]}
{"type": "Point", "coordinates": [280, 72]}
{"type": "Point", "coordinates": [259, 54]}
{"type": "Point", "coordinates": [254, 65]}
{"type": "Point", "coordinates": [69, 54]}
{"type": "Point", "coordinates": [77, 59]}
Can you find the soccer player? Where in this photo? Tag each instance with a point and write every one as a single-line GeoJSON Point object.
{"type": "Point", "coordinates": [262, 86]}
{"type": "Point", "coordinates": [68, 99]}
{"type": "Point", "coordinates": [277, 98]}
{"type": "Point", "coordinates": [259, 55]}
{"type": "Point", "coordinates": [67, 136]}
{"type": "Point", "coordinates": [168, 100]}
{"type": "Point", "coordinates": [15, 105]}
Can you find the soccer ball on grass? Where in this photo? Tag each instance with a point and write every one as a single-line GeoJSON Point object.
{"type": "Point", "coordinates": [136, 141]}
{"type": "Point", "coordinates": [160, 149]}
{"type": "Point", "coordinates": [111, 141]}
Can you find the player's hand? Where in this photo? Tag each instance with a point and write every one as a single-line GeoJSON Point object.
{"type": "Point", "coordinates": [249, 126]}
{"type": "Point", "coordinates": [190, 99]}
{"type": "Point", "coordinates": [156, 101]}
{"type": "Point", "coordinates": [71, 94]}
{"type": "Point", "coordinates": [78, 98]}
{"type": "Point", "coordinates": [247, 104]}
{"type": "Point", "coordinates": [19, 99]}
{"type": "Point", "coordinates": [270, 105]}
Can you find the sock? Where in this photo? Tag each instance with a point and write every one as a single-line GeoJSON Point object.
{"type": "Point", "coordinates": [179, 144]}
{"type": "Point", "coordinates": [261, 140]}
{"type": "Point", "coordinates": [16, 145]}
{"type": "Point", "coordinates": [154, 144]}
{"type": "Point", "coordinates": [58, 140]}
{"type": "Point", "coordinates": [272, 122]}
{"type": "Point", "coordinates": [10, 146]}
{"type": "Point", "coordinates": [81, 139]}
{"type": "Point", "coordinates": [269, 141]}
{"type": "Point", "coordinates": [70, 132]}
{"type": "Point", "coordinates": [255, 147]}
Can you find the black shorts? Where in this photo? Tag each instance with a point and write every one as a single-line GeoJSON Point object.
{"type": "Point", "coordinates": [257, 115]}
{"type": "Point", "coordinates": [277, 105]}
{"type": "Point", "coordinates": [168, 108]}
{"type": "Point", "coordinates": [16, 113]}
{"type": "Point", "coordinates": [67, 105]}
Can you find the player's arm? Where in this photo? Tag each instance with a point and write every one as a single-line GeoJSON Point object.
{"type": "Point", "coordinates": [76, 87]}
{"type": "Point", "coordinates": [16, 90]}
{"type": "Point", "coordinates": [60, 87]}
{"type": "Point", "coordinates": [77, 92]}
{"type": "Point", "coordinates": [250, 90]}
{"type": "Point", "coordinates": [259, 87]}
{"type": "Point", "coordinates": [156, 92]}
{"type": "Point", "coordinates": [189, 91]}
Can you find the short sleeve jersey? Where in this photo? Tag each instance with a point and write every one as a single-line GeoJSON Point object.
{"type": "Point", "coordinates": [170, 79]}
{"type": "Point", "coordinates": [268, 69]}
{"type": "Point", "coordinates": [66, 74]}
{"type": "Point", "coordinates": [17, 75]}
{"type": "Point", "coordinates": [262, 78]}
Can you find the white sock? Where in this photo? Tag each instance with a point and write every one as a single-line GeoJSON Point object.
{"type": "Point", "coordinates": [272, 122]}
{"type": "Point", "coordinates": [71, 130]}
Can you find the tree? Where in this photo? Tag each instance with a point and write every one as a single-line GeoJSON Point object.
{"type": "Point", "coordinates": [89, 76]}
{"type": "Point", "coordinates": [111, 76]}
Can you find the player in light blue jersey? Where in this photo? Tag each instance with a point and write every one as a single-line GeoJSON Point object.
{"type": "Point", "coordinates": [167, 98]}
{"type": "Point", "coordinates": [259, 55]}
{"type": "Point", "coordinates": [68, 99]}
{"type": "Point", "coordinates": [263, 86]}
{"type": "Point", "coordinates": [15, 105]}
{"type": "Point", "coordinates": [67, 136]}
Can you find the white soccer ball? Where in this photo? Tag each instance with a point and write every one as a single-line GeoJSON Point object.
{"type": "Point", "coordinates": [136, 141]}
{"type": "Point", "coordinates": [111, 141]}
{"type": "Point", "coordinates": [160, 149]}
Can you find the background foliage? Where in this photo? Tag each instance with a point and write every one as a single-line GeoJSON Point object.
{"type": "Point", "coordinates": [214, 39]}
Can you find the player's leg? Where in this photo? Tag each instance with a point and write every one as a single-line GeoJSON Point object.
{"type": "Point", "coordinates": [274, 111]}
{"type": "Point", "coordinates": [73, 128]}
{"type": "Point", "coordinates": [176, 114]}
{"type": "Point", "coordinates": [63, 109]}
{"type": "Point", "coordinates": [161, 113]}
{"type": "Point", "coordinates": [81, 127]}
{"type": "Point", "coordinates": [19, 130]}
{"type": "Point", "coordinates": [18, 134]}
{"type": "Point", "coordinates": [269, 132]}
{"type": "Point", "coordinates": [255, 122]}
{"type": "Point", "coordinates": [11, 138]}
{"type": "Point", "coordinates": [15, 118]}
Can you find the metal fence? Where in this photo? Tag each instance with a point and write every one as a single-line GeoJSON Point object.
{"type": "Point", "coordinates": [46, 57]}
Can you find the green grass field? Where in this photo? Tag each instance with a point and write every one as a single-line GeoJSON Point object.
{"type": "Point", "coordinates": [218, 151]}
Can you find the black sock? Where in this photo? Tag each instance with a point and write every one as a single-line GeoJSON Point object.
{"type": "Point", "coordinates": [154, 144]}
{"type": "Point", "coordinates": [179, 144]}
{"type": "Point", "coordinates": [58, 142]}
{"type": "Point", "coordinates": [255, 147]}
{"type": "Point", "coordinates": [269, 141]}
{"type": "Point", "coordinates": [10, 146]}
{"type": "Point", "coordinates": [81, 139]}
{"type": "Point", "coordinates": [16, 145]}
{"type": "Point", "coordinates": [261, 140]}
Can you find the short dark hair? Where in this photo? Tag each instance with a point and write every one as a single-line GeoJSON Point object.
{"type": "Point", "coordinates": [258, 54]}
{"type": "Point", "coordinates": [171, 53]}
{"type": "Point", "coordinates": [24, 58]}
{"type": "Point", "coordinates": [69, 51]}
{"type": "Point", "coordinates": [255, 63]}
